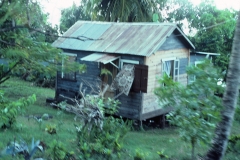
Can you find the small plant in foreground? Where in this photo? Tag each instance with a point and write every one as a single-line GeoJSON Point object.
{"type": "Point", "coordinates": [51, 129]}
{"type": "Point", "coordinates": [105, 143]}
{"type": "Point", "coordinates": [21, 148]}
{"type": "Point", "coordinates": [162, 155]}
{"type": "Point", "coordinates": [57, 150]}
{"type": "Point", "coordinates": [234, 144]}
{"type": "Point", "coordinates": [140, 155]}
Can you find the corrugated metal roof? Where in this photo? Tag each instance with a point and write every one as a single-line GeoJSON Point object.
{"type": "Point", "coordinates": [98, 57]}
{"type": "Point", "coordinates": [141, 39]}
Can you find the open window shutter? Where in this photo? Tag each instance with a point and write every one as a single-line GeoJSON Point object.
{"type": "Point", "coordinates": [176, 70]}
{"type": "Point", "coordinates": [140, 79]}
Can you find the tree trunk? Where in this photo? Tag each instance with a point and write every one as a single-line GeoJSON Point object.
{"type": "Point", "coordinates": [218, 148]}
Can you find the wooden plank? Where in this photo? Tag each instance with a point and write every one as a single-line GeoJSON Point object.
{"type": "Point", "coordinates": [128, 113]}
{"type": "Point", "coordinates": [155, 113]}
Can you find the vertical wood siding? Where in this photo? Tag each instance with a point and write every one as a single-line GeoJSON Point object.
{"type": "Point", "coordinates": [70, 88]}
{"type": "Point", "coordinates": [130, 105]}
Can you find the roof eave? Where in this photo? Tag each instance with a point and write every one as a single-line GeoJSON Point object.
{"type": "Point", "coordinates": [208, 53]}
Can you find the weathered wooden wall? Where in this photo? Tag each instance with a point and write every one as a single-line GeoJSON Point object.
{"type": "Point", "coordinates": [154, 62]}
{"type": "Point", "coordinates": [172, 48]}
{"type": "Point", "coordinates": [71, 88]}
{"type": "Point", "coordinates": [130, 105]}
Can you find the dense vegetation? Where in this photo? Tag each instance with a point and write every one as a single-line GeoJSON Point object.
{"type": "Point", "coordinates": [26, 51]}
{"type": "Point", "coordinates": [149, 143]}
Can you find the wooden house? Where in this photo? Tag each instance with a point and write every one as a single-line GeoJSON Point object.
{"type": "Point", "coordinates": [152, 48]}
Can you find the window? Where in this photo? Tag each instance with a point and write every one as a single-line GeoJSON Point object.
{"type": "Point", "coordinates": [124, 61]}
{"type": "Point", "coordinates": [192, 78]}
{"type": "Point", "coordinates": [109, 71]}
{"type": "Point", "coordinates": [66, 74]}
{"type": "Point", "coordinates": [140, 75]}
{"type": "Point", "coordinates": [171, 68]}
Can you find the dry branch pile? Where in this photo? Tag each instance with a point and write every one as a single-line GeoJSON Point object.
{"type": "Point", "coordinates": [87, 109]}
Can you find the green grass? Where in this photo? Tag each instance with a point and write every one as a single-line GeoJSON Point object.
{"type": "Point", "coordinates": [152, 141]}
{"type": "Point", "coordinates": [148, 142]}
{"type": "Point", "coordinates": [28, 128]}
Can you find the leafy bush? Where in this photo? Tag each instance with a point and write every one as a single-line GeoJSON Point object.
{"type": "Point", "coordinates": [10, 109]}
{"type": "Point", "coordinates": [162, 155]}
{"type": "Point", "coordinates": [51, 129]}
{"type": "Point", "coordinates": [97, 135]}
{"type": "Point", "coordinates": [234, 144]}
{"type": "Point", "coordinates": [196, 107]}
{"type": "Point", "coordinates": [39, 78]}
{"type": "Point", "coordinates": [101, 135]}
{"type": "Point", "coordinates": [237, 113]}
{"type": "Point", "coordinates": [57, 150]}
{"type": "Point", "coordinates": [106, 142]}
{"type": "Point", "coordinates": [140, 155]}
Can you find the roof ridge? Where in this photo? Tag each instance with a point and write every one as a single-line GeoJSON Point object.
{"type": "Point", "coordinates": [130, 23]}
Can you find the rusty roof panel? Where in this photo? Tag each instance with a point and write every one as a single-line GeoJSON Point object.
{"type": "Point", "coordinates": [141, 39]}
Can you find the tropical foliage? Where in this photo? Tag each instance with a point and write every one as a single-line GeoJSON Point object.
{"type": "Point", "coordinates": [123, 10]}
{"type": "Point", "coordinates": [230, 99]}
{"type": "Point", "coordinates": [24, 40]}
{"type": "Point", "coordinates": [71, 15]}
{"type": "Point", "coordinates": [195, 106]}
{"type": "Point", "coordinates": [215, 30]}
{"type": "Point", "coordinates": [96, 133]}
{"type": "Point", "coordinates": [9, 110]}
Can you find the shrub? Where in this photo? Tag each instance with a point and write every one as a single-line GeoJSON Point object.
{"type": "Point", "coordinates": [22, 148]}
{"type": "Point", "coordinates": [10, 109]}
{"type": "Point", "coordinates": [234, 144]}
{"type": "Point", "coordinates": [56, 150]}
{"type": "Point", "coordinates": [51, 129]}
{"type": "Point", "coordinates": [39, 78]}
{"type": "Point", "coordinates": [140, 155]}
{"type": "Point", "coordinates": [237, 114]}
{"type": "Point", "coordinates": [107, 142]}
{"type": "Point", "coordinates": [196, 108]}
{"type": "Point", "coordinates": [97, 135]}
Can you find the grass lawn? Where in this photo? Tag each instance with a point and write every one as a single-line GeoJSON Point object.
{"type": "Point", "coordinates": [148, 141]}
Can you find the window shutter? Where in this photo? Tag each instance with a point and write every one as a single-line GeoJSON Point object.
{"type": "Point", "coordinates": [176, 70]}
{"type": "Point", "coordinates": [140, 79]}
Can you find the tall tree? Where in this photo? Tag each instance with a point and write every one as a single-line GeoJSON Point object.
{"type": "Point", "coordinates": [220, 141]}
{"type": "Point", "coordinates": [123, 10]}
{"type": "Point", "coordinates": [178, 11]}
{"type": "Point", "coordinates": [71, 15]}
{"type": "Point", "coordinates": [215, 30]}
{"type": "Point", "coordinates": [23, 39]}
